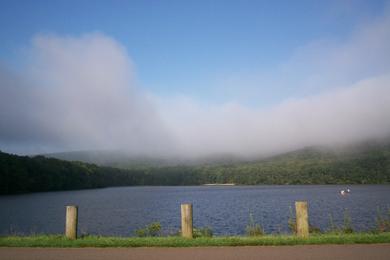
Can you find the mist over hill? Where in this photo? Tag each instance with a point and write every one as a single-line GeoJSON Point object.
{"type": "Point", "coordinates": [125, 159]}
{"type": "Point", "coordinates": [360, 164]}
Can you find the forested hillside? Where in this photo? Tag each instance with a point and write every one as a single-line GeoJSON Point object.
{"type": "Point", "coordinates": [370, 165]}
{"type": "Point", "coordinates": [19, 174]}
{"type": "Point", "coordinates": [309, 166]}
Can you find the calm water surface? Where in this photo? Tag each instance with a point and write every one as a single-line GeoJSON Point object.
{"type": "Point", "coordinates": [119, 211]}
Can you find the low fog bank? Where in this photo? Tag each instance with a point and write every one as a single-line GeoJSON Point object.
{"type": "Point", "coordinates": [126, 159]}
{"type": "Point", "coordinates": [80, 93]}
{"type": "Point", "coordinates": [349, 115]}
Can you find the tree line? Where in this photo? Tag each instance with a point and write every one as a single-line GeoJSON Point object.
{"type": "Point", "coordinates": [21, 174]}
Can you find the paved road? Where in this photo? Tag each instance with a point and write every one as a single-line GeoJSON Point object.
{"type": "Point", "coordinates": [312, 252]}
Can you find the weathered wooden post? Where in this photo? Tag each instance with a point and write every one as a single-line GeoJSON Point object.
{"type": "Point", "coordinates": [186, 220]}
{"type": "Point", "coordinates": [71, 222]}
{"type": "Point", "coordinates": [302, 218]}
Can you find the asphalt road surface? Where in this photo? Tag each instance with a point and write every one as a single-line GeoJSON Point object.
{"type": "Point", "coordinates": [312, 252]}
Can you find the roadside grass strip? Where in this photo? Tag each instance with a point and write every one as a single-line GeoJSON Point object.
{"type": "Point", "coordinates": [176, 241]}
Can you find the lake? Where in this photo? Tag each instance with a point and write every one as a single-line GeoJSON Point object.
{"type": "Point", "coordinates": [120, 211]}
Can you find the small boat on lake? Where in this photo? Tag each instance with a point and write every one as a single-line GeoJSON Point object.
{"type": "Point", "coordinates": [345, 192]}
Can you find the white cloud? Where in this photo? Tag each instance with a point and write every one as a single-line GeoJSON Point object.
{"type": "Point", "coordinates": [334, 93]}
{"type": "Point", "coordinates": [80, 93]}
{"type": "Point", "coordinates": [342, 116]}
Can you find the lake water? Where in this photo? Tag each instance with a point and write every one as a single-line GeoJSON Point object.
{"type": "Point", "coordinates": [120, 211]}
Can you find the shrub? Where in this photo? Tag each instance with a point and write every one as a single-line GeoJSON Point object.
{"type": "Point", "coordinates": [151, 230]}
{"type": "Point", "coordinates": [141, 232]}
{"type": "Point", "coordinates": [347, 227]}
{"type": "Point", "coordinates": [253, 229]}
{"type": "Point", "coordinates": [202, 232]}
{"type": "Point", "coordinates": [383, 221]}
{"type": "Point", "coordinates": [314, 229]}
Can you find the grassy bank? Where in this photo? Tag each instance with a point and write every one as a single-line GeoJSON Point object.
{"type": "Point", "coordinates": [98, 241]}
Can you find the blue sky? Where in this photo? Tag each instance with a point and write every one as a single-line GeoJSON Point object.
{"type": "Point", "coordinates": [189, 47]}
{"type": "Point", "coordinates": [193, 78]}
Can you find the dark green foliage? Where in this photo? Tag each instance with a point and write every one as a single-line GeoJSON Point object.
{"type": "Point", "coordinates": [307, 166]}
{"type": "Point", "coordinates": [202, 232]}
{"type": "Point", "coordinates": [151, 230]}
{"type": "Point", "coordinates": [314, 230]}
{"type": "Point", "coordinates": [20, 174]}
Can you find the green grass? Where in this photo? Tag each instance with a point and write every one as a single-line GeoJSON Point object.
{"type": "Point", "coordinates": [275, 240]}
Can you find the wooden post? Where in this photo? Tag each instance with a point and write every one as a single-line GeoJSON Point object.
{"type": "Point", "coordinates": [71, 222]}
{"type": "Point", "coordinates": [186, 220]}
{"type": "Point", "coordinates": [302, 218]}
